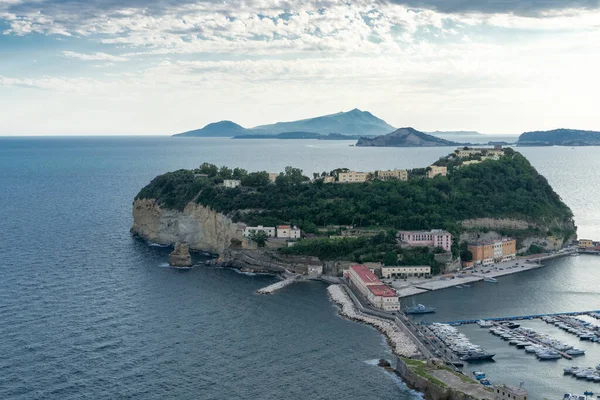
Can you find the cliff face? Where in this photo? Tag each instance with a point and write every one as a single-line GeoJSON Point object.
{"type": "Point", "coordinates": [405, 137]}
{"type": "Point", "coordinates": [200, 227]}
{"type": "Point", "coordinates": [265, 260]}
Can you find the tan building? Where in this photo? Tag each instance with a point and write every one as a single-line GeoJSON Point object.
{"type": "Point", "coordinates": [288, 232]}
{"type": "Point", "coordinates": [470, 162]}
{"type": "Point", "coordinates": [434, 170]}
{"type": "Point", "coordinates": [584, 243]}
{"type": "Point", "coordinates": [273, 176]}
{"type": "Point", "coordinates": [399, 174]}
{"type": "Point", "coordinates": [328, 179]}
{"type": "Point", "coordinates": [503, 392]}
{"type": "Point", "coordinates": [490, 153]}
{"type": "Point", "coordinates": [405, 271]}
{"type": "Point", "coordinates": [378, 294]}
{"type": "Point", "coordinates": [486, 253]}
{"type": "Point", "coordinates": [352, 177]}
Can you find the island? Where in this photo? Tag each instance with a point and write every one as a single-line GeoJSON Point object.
{"type": "Point", "coordinates": [560, 137]}
{"type": "Point", "coordinates": [354, 216]}
{"type": "Point", "coordinates": [353, 123]}
{"type": "Point", "coordinates": [371, 227]}
{"type": "Point", "coordinates": [405, 137]}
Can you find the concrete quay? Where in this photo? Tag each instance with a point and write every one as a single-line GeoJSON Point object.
{"type": "Point", "coordinates": [415, 286]}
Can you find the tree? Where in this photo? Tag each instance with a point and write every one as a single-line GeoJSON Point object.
{"type": "Point", "coordinates": [258, 237]}
{"type": "Point", "coordinates": [465, 253]}
{"type": "Point", "coordinates": [209, 169]}
{"type": "Point", "coordinates": [256, 179]}
{"type": "Point", "coordinates": [225, 173]}
{"type": "Point", "coordinates": [390, 258]}
{"type": "Point", "coordinates": [239, 173]}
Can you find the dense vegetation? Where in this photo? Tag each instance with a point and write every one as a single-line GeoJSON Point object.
{"type": "Point", "coordinates": [379, 248]}
{"type": "Point", "coordinates": [508, 188]}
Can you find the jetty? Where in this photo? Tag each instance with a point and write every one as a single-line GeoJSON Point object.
{"type": "Point", "coordinates": [521, 317]}
{"type": "Point", "coordinates": [278, 285]}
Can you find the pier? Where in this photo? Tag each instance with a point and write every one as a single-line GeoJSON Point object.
{"type": "Point", "coordinates": [520, 317]}
{"type": "Point", "coordinates": [278, 285]}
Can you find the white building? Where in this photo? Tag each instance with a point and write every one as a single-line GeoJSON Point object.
{"type": "Point", "coordinates": [288, 232]}
{"type": "Point", "coordinates": [406, 271]}
{"type": "Point", "coordinates": [269, 230]}
{"type": "Point", "coordinates": [378, 294]}
{"type": "Point", "coordinates": [231, 183]}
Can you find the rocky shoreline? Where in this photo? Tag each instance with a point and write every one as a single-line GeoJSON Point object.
{"type": "Point", "coordinates": [398, 341]}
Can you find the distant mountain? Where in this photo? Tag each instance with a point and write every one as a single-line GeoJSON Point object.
{"type": "Point", "coordinates": [217, 129]}
{"type": "Point", "coordinates": [406, 137]}
{"type": "Point", "coordinates": [354, 122]}
{"type": "Point", "coordinates": [560, 137]}
{"type": "Point", "coordinates": [299, 135]}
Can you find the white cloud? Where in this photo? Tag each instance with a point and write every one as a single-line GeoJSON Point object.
{"type": "Point", "coordinates": [93, 56]}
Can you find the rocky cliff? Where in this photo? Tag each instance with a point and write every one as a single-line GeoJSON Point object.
{"type": "Point", "coordinates": [200, 227]}
{"type": "Point", "coordinates": [264, 260]}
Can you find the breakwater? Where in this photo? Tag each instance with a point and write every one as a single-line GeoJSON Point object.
{"type": "Point", "coordinates": [278, 285]}
{"type": "Point", "coordinates": [400, 343]}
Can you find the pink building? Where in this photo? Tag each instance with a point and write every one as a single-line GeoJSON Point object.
{"type": "Point", "coordinates": [434, 238]}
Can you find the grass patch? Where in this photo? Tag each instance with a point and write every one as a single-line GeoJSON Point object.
{"type": "Point", "coordinates": [419, 368]}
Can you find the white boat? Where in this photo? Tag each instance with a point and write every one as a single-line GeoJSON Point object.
{"type": "Point", "coordinates": [484, 324]}
{"type": "Point", "coordinates": [575, 352]}
{"type": "Point", "coordinates": [490, 279]}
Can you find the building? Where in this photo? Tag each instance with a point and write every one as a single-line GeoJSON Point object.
{"type": "Point", "coordinates": [288, 232]}
{"type": "Point", "coordinates": [378, 294]}
{"type": "Point", "coordinates": [352, 177]}
{"type": "Point", "coordinates": [494, 153]}
{"type": "Point", "coordinates": [486, 253]}
{"type": "Point", "coordinates": [328, 179]}
{"type": "Point", "coordinates": [231, 183]}
{"type": "Point", "coordinates": [503, 392]}
{"type": "Point", "coordinates": [273, 176]}
{"type": "Point", "coordinates": [399, 174]}
{"type": "Point", "coordinates": [435, 170]}
{"type": "Point", "coordinates": [269, 230]}
{"type": "Point", "coordinates": [584, 243]}
{"type": "Point", "coordinates": [433, 238]}
{"type": "Point", "coordinates": [470, 162]}
{"type": "Point", "coordinates": [406, 271]}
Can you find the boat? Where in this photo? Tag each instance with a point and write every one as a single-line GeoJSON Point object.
{"type": "Point", "coordinates": [490, 279]}
{"type": "Point", "coordinates": [484, 324]}
{"type": "Point", "coordinates": [485, 382]}
{"type": "Point", "coordinates": [478, 356]}
{"type": "Point", "coordinates": [510, 324]}
{"type": "Point", "coordinates": [419, 309]}
{"type": "Point", "coordinates": [479, 375]}
{"type": "Point", "coordinates": [575, 352]}
{"type": "Point", "coordinates": [571, 370]}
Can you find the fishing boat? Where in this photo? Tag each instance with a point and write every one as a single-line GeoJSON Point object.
{"type": "Point", "coordinates": [479, 375]}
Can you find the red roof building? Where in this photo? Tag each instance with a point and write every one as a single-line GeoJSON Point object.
{"type": "Point", "coordinates": [369, 285]}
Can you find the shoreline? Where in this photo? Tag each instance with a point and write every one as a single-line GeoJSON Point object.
{"type": "Point", "coordinates": [400, 343]}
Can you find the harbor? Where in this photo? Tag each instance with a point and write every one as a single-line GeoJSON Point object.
{"type": "Point", "coordinates": [463, 279]}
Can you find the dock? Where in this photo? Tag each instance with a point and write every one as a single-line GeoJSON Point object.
{"type": "Point", "coordinates": [520, 317]}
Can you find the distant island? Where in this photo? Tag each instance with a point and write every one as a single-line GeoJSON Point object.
{"type": "Point", "coordinates": [300, 135]}
{"type": "Point", "coordinates": [560, 137]}
{"type": "Point", "coordinates": [455, 133]}
{"type": "Point", "coordinates": [354, 123]}
{"type": "Point", "coordinates": [405, 137]}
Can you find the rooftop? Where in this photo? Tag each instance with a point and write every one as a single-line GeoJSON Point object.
{"type": "Point", "coordinates": [365, 274]}
{"type": "Point", "coordinates": [382, 290]}
{"type": "Point", "coordinates": [283, 226]}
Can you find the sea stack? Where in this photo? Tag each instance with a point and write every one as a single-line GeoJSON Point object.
{"type": "Point", "coordinates": [180, 256]}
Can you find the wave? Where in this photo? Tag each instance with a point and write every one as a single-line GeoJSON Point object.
{"type": "Point", "coordinates": [164, 265]}
{"type": "Point", "coordinates": [152, 244]}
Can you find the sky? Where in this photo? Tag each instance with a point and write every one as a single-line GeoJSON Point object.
{"type": "Point", "coordinates": [94, 67]}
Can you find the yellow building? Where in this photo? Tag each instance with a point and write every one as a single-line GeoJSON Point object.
{"type": "Point", "coordinates": [400, 174]}
{"type": "Point", "coordinates": [434, 170]}
{"type": "Point", "coordinates": [584, 243]}
{"type": "Point", "coordinates": [353, 177]}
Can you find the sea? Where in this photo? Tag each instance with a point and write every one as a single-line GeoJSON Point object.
{"type": "Point", "coordinates": [89, 312]}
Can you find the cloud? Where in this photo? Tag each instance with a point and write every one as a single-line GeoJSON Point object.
{"type": "Point", "coordinates": [93, 56]}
